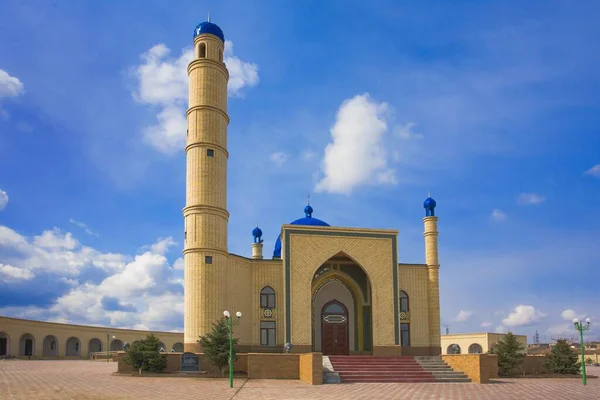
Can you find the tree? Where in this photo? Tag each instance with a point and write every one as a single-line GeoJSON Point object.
{"type": "Point", "coordinates": [145, 356]}
{"type": "Point", "coordinates": [562, 359]}
{"type": "Point", "coordinates": [510, 352]}
{"type": "Point", "coordinates": [215, 345]}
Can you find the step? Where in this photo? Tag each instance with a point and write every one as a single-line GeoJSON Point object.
{"type": "Point", "coordinates": [386, 380]}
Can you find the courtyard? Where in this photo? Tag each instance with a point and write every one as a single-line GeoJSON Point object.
{"type": "Point", "coordinates": [94, 380]}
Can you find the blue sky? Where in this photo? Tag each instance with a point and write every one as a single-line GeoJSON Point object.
{"type": "Point", "coordinates": [366, 106]}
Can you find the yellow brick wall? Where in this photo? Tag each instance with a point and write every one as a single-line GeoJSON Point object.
{"type": "Point", "coordinates": [413, 279]}
{"type": "Point", "coordinates": [374, 255]}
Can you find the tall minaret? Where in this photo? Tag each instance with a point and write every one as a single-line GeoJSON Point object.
{"type": "Point", "coordinates": [205, 213]}
{"type": "Point", "coordinates": [433, 266]}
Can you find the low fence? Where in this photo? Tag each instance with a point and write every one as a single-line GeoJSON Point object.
{"type": "Point", "coordinates": [307, 367]}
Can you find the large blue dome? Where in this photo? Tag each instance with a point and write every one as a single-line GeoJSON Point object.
{"type": "Point", "coordinates": [209, 27]}
{"type": "Point", "coordinates": [308, 220]}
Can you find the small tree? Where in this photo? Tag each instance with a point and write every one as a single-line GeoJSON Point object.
{"type": "Point", "coordinates": [562, 359]}
{"type": "Point", "coordinates": [510, 352]}
{"type": "Point", "coordinates": [145, 356]}
{"type": "Point", "coordinates": [215, 345]}
{"type": "Point", "coordinates": [589, 361]}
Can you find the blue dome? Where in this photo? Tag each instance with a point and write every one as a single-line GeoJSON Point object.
{"type": "Point", "coordinates": [429, 203]}
{"type": "Point", "coordinates": [209, 27]}
{"type": "Point", "coordinates": [308, 220]}
{"type": "Point", "coordinates": [256, 232]}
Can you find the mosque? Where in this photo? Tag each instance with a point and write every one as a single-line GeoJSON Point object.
{"type": "Point", "coordinates": [329, 289]}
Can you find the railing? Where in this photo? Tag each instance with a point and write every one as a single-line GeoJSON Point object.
{"type": "Point", "coordinates": [102, 355]}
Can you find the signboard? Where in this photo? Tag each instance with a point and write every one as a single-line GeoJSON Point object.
{"type": "Point", "coordinates": [190, 362]}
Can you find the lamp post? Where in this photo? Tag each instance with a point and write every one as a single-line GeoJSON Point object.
{"type": "Point", "coordinates": [108, 345]}
{"type": "Point", "coordinates": [580, 327]}
{"type": "Point", "coordinates": [229, 323]}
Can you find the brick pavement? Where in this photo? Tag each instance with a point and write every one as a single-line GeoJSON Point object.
{"type": "Point", "coordinates": [89, 380]}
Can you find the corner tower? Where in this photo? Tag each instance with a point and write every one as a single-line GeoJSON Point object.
{"type": "Point", "coordinates": [205, 213]}
{"type": "Point", "coordinates": [433, 267]}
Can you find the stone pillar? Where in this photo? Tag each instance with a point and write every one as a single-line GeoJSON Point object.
{"type": "Point", "coordinates": [433, 286]}
{"type": "Point", "coordinates": [257, 253]}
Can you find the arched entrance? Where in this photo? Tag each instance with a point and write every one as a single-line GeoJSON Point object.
{"type": "Point", "coordinates": [341, 308]}
{"type": "Point", "coordinates": [335, 337]}
{"type": "Point", "coordinates": [73, 347]}
{"type": "Point", "coordinates": [3, 344]}
{"type": "Point", "coordinates": [26, 345]}
{"type": "Point", "coordinates": [116, 345]}
{"type": "Point", "coordinates": [50, 346]}
{"type": "Point", "coordinates": [95, 346]}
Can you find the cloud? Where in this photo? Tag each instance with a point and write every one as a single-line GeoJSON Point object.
{"type": "Point", "coordinates": [10, 86]}
{"type": "Point", "coordinates": [162, 83]}
{"type": "Point", "coordinates": [3, 199]}
{"type": "Point", "coordinates": [530, 198]}
{"type": "Point", "coordinates": [406, 132]}
{"type": "Point", "coordinates": [356, 155]}
{"type": "Point", "coordinates": [279, 158]}
{"type": "Point", "coordinates": [83, 226]}
{"type": "Point", "coordinates": [8, 273]}
{"type": "Point", "coordinates": [594, 171]}
{"type": "Point", "coordinates": [135, 291]}
{"type": "Point", "coordinates": [498, 215]}
{"type": "Point", "coordinates": [560, 331]}
{"type": "Point", "coordinates": [523, 315]}
{"type": "Point", "coordinates": [463, 316]}
{"type": "Point", "coordinates": [570, 314]}
{"type": "Point", "coordinates": [500, 329]}
{"type": "Point", "coordinates": [179, 265]}
{"type": "Point", "coordinates": [308, 155]}
{"type": "Point", "coordinates": [485, 324]}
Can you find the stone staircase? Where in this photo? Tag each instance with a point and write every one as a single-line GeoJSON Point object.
{"type": "Point", "coordinates": [441, 371]}
{"type": "Point", "coordinates": [364, 369]}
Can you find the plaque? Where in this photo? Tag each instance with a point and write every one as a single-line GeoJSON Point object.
{"type": "Point", "coordinates": [190, 362]}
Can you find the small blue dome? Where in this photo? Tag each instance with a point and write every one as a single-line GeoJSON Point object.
{"type": "Point", "coordinates": [209, 27]}
{"type": "Point", "coordinates": [256, 232]}
{"type": "Point", "coordinates": [308, 220]}
{"type": "Point", "coordinates": [429, 205]}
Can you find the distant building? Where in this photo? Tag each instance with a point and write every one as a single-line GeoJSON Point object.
{"type": "Point", "coordinates": [474, 343]}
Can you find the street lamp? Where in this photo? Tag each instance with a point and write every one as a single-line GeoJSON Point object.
{"type": "Point", "coordinates": [580, 327]}
{"type": "Point", "coordinates": [108, 345]}
{"type": "Point", "coordinates": [229, 323]}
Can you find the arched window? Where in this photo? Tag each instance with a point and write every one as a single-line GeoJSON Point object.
{"type": "Point", "coordinates": [475, 348]}
{"type": "Point", "coordinates": [202, 50]}
{"type": "Point", "coordinates": [453, 349]}
{"type": "Point", "coordinates": [267, 297]}
{"type": "Point", "coordinates": [403, 301]}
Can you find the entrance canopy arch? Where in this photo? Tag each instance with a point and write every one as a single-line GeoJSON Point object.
{"type": "Point", "coordinates": [341, 307]}
{"type": "Point", "coordinates": [4, 343]}
{"type": "Point", "coordinates": [50, 346]}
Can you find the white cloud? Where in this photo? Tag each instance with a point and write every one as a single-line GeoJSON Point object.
{"type": "Point", "coordinates": [8, 273]}
{"type": "Point", "coordinates": [530, 198]}
{"type": "Point", "coordinates": [463, 316]}
{"type": "Point", "coordinates": [356, 155]}
{"type": "Point", "coordinates": [308, 155]}
{"type": "Point", "coordinates": [83, 226]}
{"type": "Point", "coordinates": [570, 314]}
{"type": "Point", "coordinates": [163, 82]}
{"type": "Point", "coordinates": [144, 289]}
{"type": "Point", "coordinates": [500, 329]}
{"type": "Point", "coordinates": [10, 86]}
{"type": "Point", "coordinates": [560, 330]}
{"type": "Point", "coordinates": [3, 199]}
{"type": "Point", "coordinates": [178, 265]}
{"type": "Point", "coordinates": [594, 171]}
{"type": "Point", "coordinates": [279, 158]}
{"type": "Point", "coordinates": [406, 132]}
{"type": "Point", "coordinates": [523, 315]}
{"type": "Point", "coordinates": [55, 239]}
{"type": "Point", "coordinates": [498, 215]}
{"type": "Point", "coordinates": [485, 324]}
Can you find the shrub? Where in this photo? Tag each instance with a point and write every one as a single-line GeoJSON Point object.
{"type": "Point", "coordinates": [562, 359]}
{"type": "Point", "coordinates": [215, 345]}
{"type": "Point", "coordinates": [510, 352]}
{"type": "Point", "coordinates": [144, 355]}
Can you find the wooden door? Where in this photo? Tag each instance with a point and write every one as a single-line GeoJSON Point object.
{"type": "Point", "coordinates": [334, 329]}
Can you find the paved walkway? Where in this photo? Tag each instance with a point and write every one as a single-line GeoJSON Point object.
{"type": "Point", "coordinates": [93, 380]}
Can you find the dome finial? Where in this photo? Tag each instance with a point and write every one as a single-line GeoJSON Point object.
{"type": "Point", "coordinates": [209, 16]}
{"type": "Point", "coordinates": [308, 200]}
